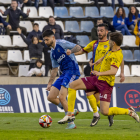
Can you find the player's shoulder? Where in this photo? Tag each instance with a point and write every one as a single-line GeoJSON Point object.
{"type": "Point", "coordinates": [92, 43]}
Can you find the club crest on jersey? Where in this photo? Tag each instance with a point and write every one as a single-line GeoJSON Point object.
{"type": "Point", "coordinates": [105, 46]}
{"type": "Point", "coordinates": [58, 50]}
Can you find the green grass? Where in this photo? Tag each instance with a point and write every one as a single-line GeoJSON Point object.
{"type": "Point", "coordinates": [25, 127]}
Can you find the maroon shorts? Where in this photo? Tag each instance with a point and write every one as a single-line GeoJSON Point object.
{"type": "Point", "coordinates": [93, 84]}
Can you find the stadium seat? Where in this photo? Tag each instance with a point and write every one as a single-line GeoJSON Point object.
{"type": "Point", "coordinates": [83, 40]}
{"type": "Point", "coordinates": [5, 1]}
{"type": "Point", "coordinates": [135, 70]}
{"type": "Point", "coordinates": [23, 70]}
{"type": "Point", "coordinates": [118, 72]}
{"type": "Point", "coordinates": [26, 56]}
{"type": "Point", "coordinates": [45, 12]}
{"type": "Point", "coordinates": [18, 41]}
{"type": "Point", "coordinates": [33, 12]}
{"type": "Point", "coordinates": [61, 24]}
{"type": "Point", "coordinates": [14, 56]}
{"type": "Point", "coordinates": [110, 1]}
{"type": "Point", "coordinates": [126, 71]}
{"type": "Point", "coordinates": [3, 9]}
{"type": "Point", "coordinates": [90, 55]}
{"type": "Point", "coordinates": [61, 12]}
{"type": "Point", "coordinates": [6, 41]}
{"type": "Point", "coordinates": [81, 58]}
{"type": "Point", "coordinates": [83, 1]}
{"type": "Point", "coordinates": [128, 2]}
{"type": "Point", "coordinates": [76, 12]}
{"type": "Point", "coordinates": [86, 26]}
{"type": "Point", "coordinates": [41, 24]}
{"type": "Point", "coordinates": [125, 9]}
{"type": "Point", "coordinates": [92, 12]}
{"type": "Point", "coordinates": [107, 12]}
{"type": "Point", "coordinates": [72, 26]}
{"type": "Point", "coordinates": [129, 40]}
{"type": "Point", "coordinates": [27, 24]}
{"type": "Point", "coordinates": [128, 56]}
{"type": "Point", "coordinates": [137, 55]}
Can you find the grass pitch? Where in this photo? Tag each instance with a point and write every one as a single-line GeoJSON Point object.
{"type": "Point", "coordinates": [26, 127]}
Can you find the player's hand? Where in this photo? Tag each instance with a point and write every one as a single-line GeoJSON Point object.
{"type": "Point", "coordinates": [48, 87]}
{"type": "Point", "coordinates": [68, 52]}
{"type": "Point", "coordinates": [95, 73]}
{"type": "Point", "coordinates": [122, 77]}
{"type": "Point", "coordinates": [9, 27]}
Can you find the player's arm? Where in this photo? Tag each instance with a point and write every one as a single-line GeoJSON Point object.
{"type": "Point", "coordinates": [113, 70]}
{"type": "Point", "coordinates": [75, 49]}
{"type": "Point", "coordinates": [122, 72]}
{"type": "Point", "coordinates": [98, 61]}
{"type": "Point", "coordinates": [52, 78]}
{"type": "Point", "coordinates": [79, 52]}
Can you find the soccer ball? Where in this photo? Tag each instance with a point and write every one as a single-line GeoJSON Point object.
{"type": "Point", "coordinates": [45, 121]}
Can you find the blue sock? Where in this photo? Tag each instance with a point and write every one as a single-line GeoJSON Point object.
{"type": "Point", "coordinates": [60, 105]}
{"type": "Point", "coordinates": [66, 113]}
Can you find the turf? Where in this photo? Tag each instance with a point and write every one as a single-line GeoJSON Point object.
{"type": "Point", "coordinates": [25, 127]}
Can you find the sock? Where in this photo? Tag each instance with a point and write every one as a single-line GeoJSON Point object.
{"type": "Point", "coordinates": [98, 103]}
{"type": "Point", "coordinates": [96, 114]}
{"type": "Point", "coordinates": [60, 105]}
{"type": "Point", "coordinates": [71, 99]}
{"type": "Point", "coordinates": [118, 111]}
{"type": "Point", "coordinates": [92, 101]}
{"type": "Point", "coordinates": [66, 113]}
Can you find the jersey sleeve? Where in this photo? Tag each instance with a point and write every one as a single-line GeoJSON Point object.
{"type": "Point", "coordinates": [89, 47]}
{"type": "Point", "coordinates": [54, 62]}
{"type": "Point", "coordinates": [66, 44]}
{"type": "Point", "coordinates": [116, 61]}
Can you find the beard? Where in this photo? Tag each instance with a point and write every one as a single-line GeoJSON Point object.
{"type": "Point", "coordinates": [49, 45]}
{"type": "Point", "coordinates": [101, 36]}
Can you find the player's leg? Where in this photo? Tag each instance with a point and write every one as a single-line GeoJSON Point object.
{"type": "Point", "coordinates": [92, 100]}
{"type": "Point", "coordinates": [97, 96]}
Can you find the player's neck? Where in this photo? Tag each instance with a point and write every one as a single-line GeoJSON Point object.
{"type": "Point", "coordinates": [115, 48]}
{"type": "Point", "coordinates": [104, 39]}
{"type": "Point", "coordinates": [54, 44]}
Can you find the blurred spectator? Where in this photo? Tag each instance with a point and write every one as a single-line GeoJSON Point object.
{"type": "Point", "coordinates": [121, 4]}
{"type": "Point", "coordinates": [38, 71]}
{"type": "Point", "coordinates": [37, 3]}
{"type": "Point", "coordinates": [97, 5]}
{"type": "Point", "coordinates": [55, 28]}
{"type": "Point", "coordinates": [35, 32]}
{"type": "Point", "coordinates": [14, 14]}
{"type": "Point", "coordinates": [22, 3]}
{"type": "Point", "coordinates": [119, 21]}
{"type": "Point", "coordinates": [3, 25]}
{"type": "Point", "coordinates": [94, 35]}
{"type": "Point", "coordinates": [35, 48]}
{"type": "Point", "coordinates": [52, 3]}
{"type": "Point", "coordinates": [137, 32]}
{"type": "Point", "coordinates": [132, 17]}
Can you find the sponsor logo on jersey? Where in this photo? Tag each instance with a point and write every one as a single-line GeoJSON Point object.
{"type": "Point", "coordinates": [60, 58]}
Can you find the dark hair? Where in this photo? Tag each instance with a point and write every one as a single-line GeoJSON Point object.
{"type": "Point", "coordinates": [35, 37]}
{"type": "Point", "coordinates": [39, 60]}
{"type": "Point", "coordinates": [118, 14]}
{"type": "Point", "coordinates": [116, 37]}
{"type": "Point", "coordinates": [103, 25]}
{"type": "Point", "coordinates": [35, 24]}
{"type": "Point", "coordinates": [130, 15]}
{"type": "Point", "coordinates": [100, 19]}
{"type": "Point", "coordinates": [51, 17]}
{"type": "Point", "coordinates": [47, 33]}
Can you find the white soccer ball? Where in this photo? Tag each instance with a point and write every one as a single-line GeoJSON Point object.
{"type": "Point", "coordinates": [45, 121]}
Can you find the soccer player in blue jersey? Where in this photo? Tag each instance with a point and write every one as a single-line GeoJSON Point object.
{"type": "Point", "coordinates": [69, 67]}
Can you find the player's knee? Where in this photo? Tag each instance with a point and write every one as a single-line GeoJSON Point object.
{"type": "Point", "coordinates": [71, 85]}
{"type": "Point", "coordinates": [61, 98]}
{"type": "Point", "coordinates": [49, 98]}
{"type": "Point", "coordinates": [104, 112]}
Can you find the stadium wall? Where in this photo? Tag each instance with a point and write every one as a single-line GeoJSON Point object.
{"type": "Point", "coordinates": [26, 95]}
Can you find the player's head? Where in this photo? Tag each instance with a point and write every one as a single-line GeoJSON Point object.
{"type": "Point", "coordinates": [115, 39]}
{"type": "Point", "coordinates": [48, 37]}
{"type": "Point", "coordinates": [102, 31]}
{"type": "Point", "coordinates": [39, 63]}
